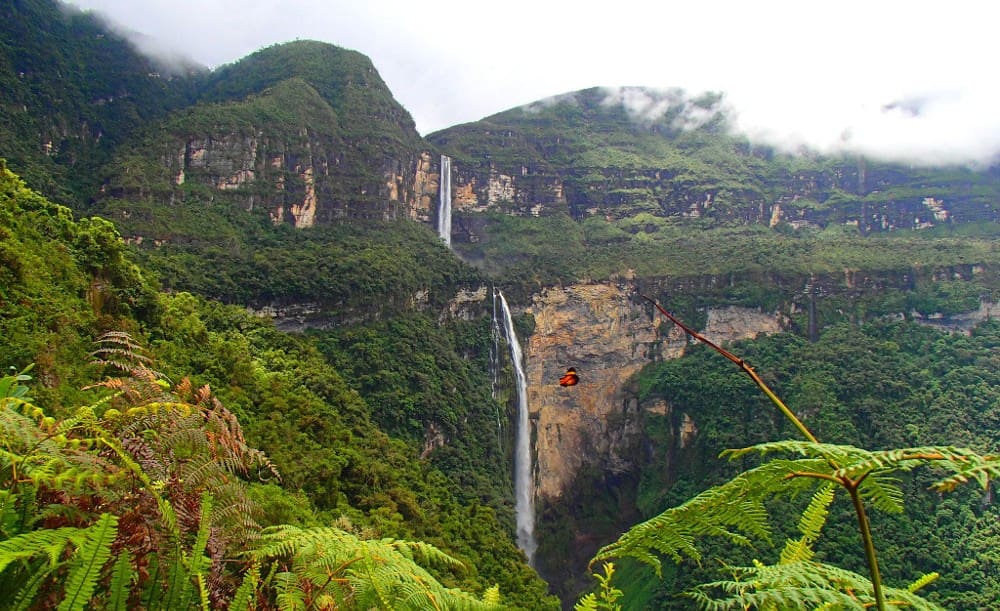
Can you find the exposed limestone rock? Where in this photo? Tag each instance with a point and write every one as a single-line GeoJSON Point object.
{"type": "Point", "coordinates": [425, 189]}
{"type": "Point", "coordinates": [607, 337]}
{"type": "Point", "coordinates": [776, 216]}
{"type": "Point", "coordinates": [733, 323]}
{"type": "Point", "coordinates": [959, 323]}
{"type": "Point", "coordinates": [433, 439]}
{"type": "Point", "coordinates": [463, 197]}
{"type": "Point", "coordinates": [688, 431]}
{"type": "Point", "coordinates": [305, 213]}
{"type": "Point", "coordinates": [596, 329]}
{"type": "Point", "coordinates": [500, 188]}
{"type": "Point", "coordinates": [467, 303]}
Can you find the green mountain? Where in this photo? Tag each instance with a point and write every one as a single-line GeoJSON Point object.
{"type": "Point", "coordinates": [276, 245]}
{"type": "Point", "coordinates": [639, 172]}
{"type": "Point", "coordinates": [74, 91]}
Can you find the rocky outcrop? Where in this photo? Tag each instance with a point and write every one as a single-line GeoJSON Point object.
{"type": "Point", "coordinates": [732, 323]}
{"type": "Point", "coordinates": [303, 181]}
{"type": "Point", "coordinates": [608, 336]}
{"type": "Point", "coordinates": [959, 323]}
{"type": "Point", "coordinates": [521, 192]}
{"type": "Point", "coordinates": [597, 330]}
{"type": "Point", "coordinates": [798, 201]}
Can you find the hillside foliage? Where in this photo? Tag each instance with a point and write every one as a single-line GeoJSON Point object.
{"type": "Point", "coordinates": [884, 385]}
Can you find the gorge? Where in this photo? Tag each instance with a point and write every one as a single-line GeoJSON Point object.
{"type": "Point", "coordinates": [346, 286]}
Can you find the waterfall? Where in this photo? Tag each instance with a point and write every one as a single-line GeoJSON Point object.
{"type": "Point", "coordinates": [444, 201]}
{"type": "Point", "coordinates": [523, 488]}
{"type": "Point", "coordinates": [496, 361]}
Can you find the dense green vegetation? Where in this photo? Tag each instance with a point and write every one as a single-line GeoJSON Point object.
{"type": "Point", "coordinates": [884, 385]}
{"type": "Point", "coordinates": [73, 91]}
{"type": "Point", "coordinates": [335, 463]}
{"type": "Point", "coordinates": [650, 246]}
{"type": "Point", "coordinates": [346, 79]}
{"type": "Point", "coordinates": [141, 452]}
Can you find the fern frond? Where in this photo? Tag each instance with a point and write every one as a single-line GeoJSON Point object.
{"type": "Point", "coordinates": [923, 582]}
{"type": "Point", "coordinates": [25, 596]}
{"type": "Point", "coordinates": [122, 576]}
{"type": "Point", "coordinates": [178, 585]}
{"type": "Point", "coordinates": [587, 603]}
{"type": "Point", "coordinates": [810, 525]}
{"type": "Point", "coordinates": [492, 595]}
{"type": "Point", "coordinates": [195, 561]}
{"type": "Point", "coordinates": [85, 566]}
{"type": "Point", "coordinates": [884, 493]}
{"type": "Point", "coordinates": [831, 453]}
{"type": "Point", "coordinates": [734, 510]}
{"type": "Point", "coordinates": [799, 585]}
{"type": "Point", "coordinates": [369, 573]}
{"type": "Point", "coordinates": [246, 593]}
{"type": "Point", "coordinates": [50, 542]}
{"type": "Point", "coordinates": [291, 596]}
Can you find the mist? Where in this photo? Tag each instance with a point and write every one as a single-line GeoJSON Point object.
{"type": "Point", "coordinates": [892, 80]}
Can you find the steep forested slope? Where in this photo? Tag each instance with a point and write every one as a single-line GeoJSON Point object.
{"type": "Point", "coordinates": [73, 92]}
{"type": "Point", "coordinates": [75, 280]}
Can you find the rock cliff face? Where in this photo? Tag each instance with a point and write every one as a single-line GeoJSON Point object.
{"type": "Point", "coordinates": [304, 180]}
{"type": "Point", "coordinates": [608, 335]}
{"type": "Point", "coordinates": [597, 330]}
{"type": "Point", "coordinates": [591, 435]}
{"type": "Point", "coordinates": [863, 201]}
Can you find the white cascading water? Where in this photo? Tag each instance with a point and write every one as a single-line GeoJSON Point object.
{"type": "Point", "coordinates": [444, 201]}
{"type": "Point", "coordinates": [523, 489]}
{"type": "Point", "coordinates": [496, 360]}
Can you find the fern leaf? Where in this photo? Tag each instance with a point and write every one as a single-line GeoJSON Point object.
{"type": "Point", "coordinates": [197, 559]}
{"type": "Point", "coordinates": [178, 582]}
{"type": "Point", "coordinates": [587, 603]}
{"type": "Point", "coordinates": [810, 524]}
{"type": "Point", "coordinates": [365, 573]}
{"type": "Point", "coordinates": [121, 582]}
{"type": "Point", "coordinates": [25, 597]}
{"type": "Point", "coordinates": [733, 510]}
{"type": "Point", "coordinates": [923, 582]}
{"type": "Point", "coordinates": [245, 597]}
{"type": "Point", "coordinates": [50, 541]}
{"type": "Point", "coordinates": [85, 568]}
{"type": "Point", "coordinates": [492, 595]}
{"type": "Point", "coordinates": [799, 585]}
{"type": "Point", "coordinates": [883, 492]}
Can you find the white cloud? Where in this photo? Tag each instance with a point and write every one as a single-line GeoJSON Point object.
{"type": "Point", "coordinates": [818, 73]}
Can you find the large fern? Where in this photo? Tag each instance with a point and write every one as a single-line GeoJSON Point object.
{"type": "Point", "coordinates": [800, 585]}
{"type": "Point", "coordinates": [330, 565]}
{"type": "Point", "coordinates": [735, 510]}
{"type": "Point", "coordinates": [86, 564]}
{"type": "Point", "coordinates": [147, 458]}
{"type": "Point", "coordinates": [39, 553]}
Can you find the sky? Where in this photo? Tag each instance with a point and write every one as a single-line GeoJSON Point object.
{"type": "Point", "coordinates": [911, 81]}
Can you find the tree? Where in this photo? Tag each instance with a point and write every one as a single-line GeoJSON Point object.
{"type": "Point", "coordinates": [736, 511]}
